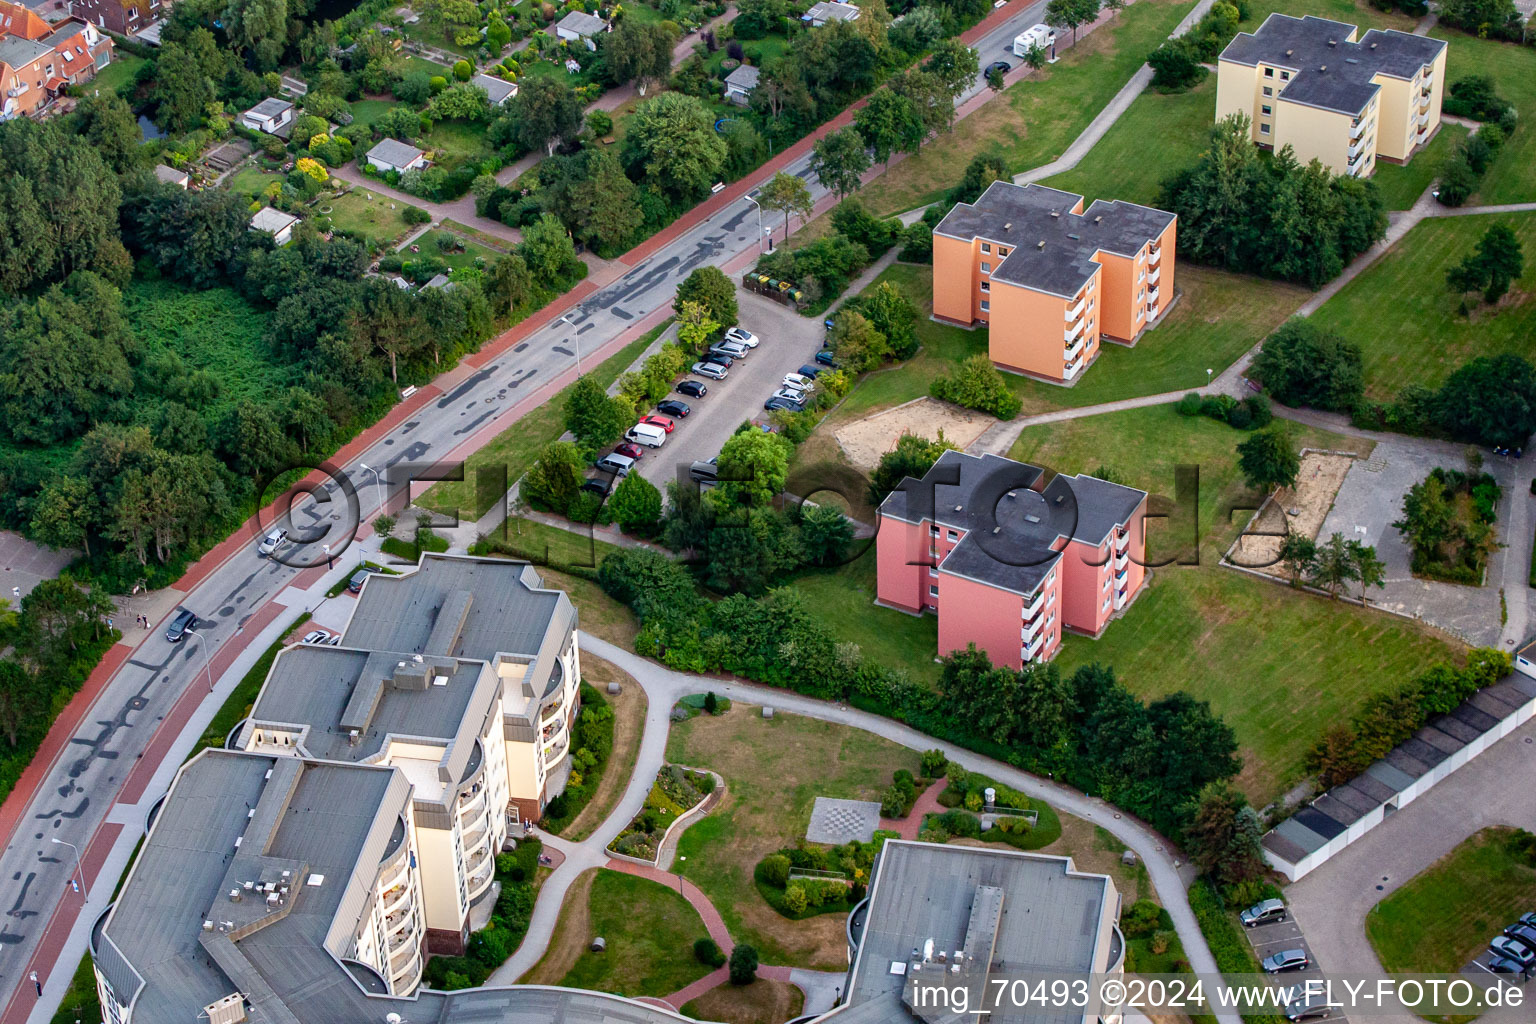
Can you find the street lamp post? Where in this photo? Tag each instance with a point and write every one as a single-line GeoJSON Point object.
{"type": "Point", "coordinates": [80, 865]}
{"type": "Point", "coordinates": [759, 208]}
{"type": "Point", "coordinates": [575, 336]}
{"type": "Point", "coordinates": [1208, 373]}
{"type": "Point", "coordinates": [379, 482]}
{"type": "Point", "coordinates": [207, 665]}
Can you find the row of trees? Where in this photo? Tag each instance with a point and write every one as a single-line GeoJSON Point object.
{"type": "Point", "coordinates": [1448, 522]}
{"type": "Point", "coordinates": [1180, 63]}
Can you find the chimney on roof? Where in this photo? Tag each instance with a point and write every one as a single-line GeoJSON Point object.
{"type": "Point", "coordinates": [1333, 42]}
{"type": "Point", "coordinates": [1373, 46]}
{"type": "Point", "coordinates": [1099, 218]}
{"type": "Point", "coordinates": [1289, 52]}
{"type": "Point", "coordinates": [1055, 213]}
{"type": "Point", "coordinates": [1323, 67]}
{"type": "Point", "coordinates": [1008, 226]}
{"type": "Point", "coordinates": [1041, 245]}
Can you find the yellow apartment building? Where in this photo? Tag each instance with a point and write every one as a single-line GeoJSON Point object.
{"type": "Point", "coordinates": [1049, 280]}
{"type": "Point", "coordinates": [1309, 84]}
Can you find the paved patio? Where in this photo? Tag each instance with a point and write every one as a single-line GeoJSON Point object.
{"type": "Point", "coordinates": [840, 821]}
{"type": "Point", "coordinates": [23, 565]}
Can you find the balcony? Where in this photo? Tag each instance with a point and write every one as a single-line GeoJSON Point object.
{"type": "Point", "coordinates": [473, 806]}
{"type": "Point", "coordinates": [404, 962]}
{"type": "Point", "coordinates": [555, 752]}
{"type": "Point", "coordinates": [1072, 333]}
{"type": "Point", "coordinates": [1033, 608]}
{"type": "Point", "coordinates": [1030, 632]}
{"type": "Point", "coordinates": [1122, 541]}
{"type": "Point", "coordinates": [1076, 311]}
{"type": "Point", "coordinates": [1120, 597]}
{"type": "Point", "coordinates": [396, 898]}
{"type": "Point", "coordinates": [1357, 129]}
{"type": "Point", "coordinates": [1154, 255]}
{"type": "Point", "coordinates": [1152, 298]}
{"type": "Point", "coordinates": [1421, 119]}
{"type": "Point", "coordinates": [1071, 354]}
{"type": "Point", "coordinates": [1070, 370]}
{"type": "Point", "coordinates": [1156, 273]}
{"type": "Point", "coordinates": [1427, 83]}
{"type": "Point", "coordinates": [1358, 147]}
{"type": "Point", "coordinates": [401, 932]}
{"type": "Point", "coordinates": [1122, 560]}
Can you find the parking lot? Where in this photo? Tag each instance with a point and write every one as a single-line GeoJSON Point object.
{"type": "Point", "coordinates": [788, 340]}
{"type": "Point", "coordinates": [1277, 936]}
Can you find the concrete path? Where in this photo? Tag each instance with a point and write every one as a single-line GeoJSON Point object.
{"type": "Point", "coordinates": [664, 687]}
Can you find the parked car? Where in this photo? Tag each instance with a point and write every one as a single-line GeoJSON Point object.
{"type": "Point", "coordinates": [720, 358]}
{"type": "Point", "coordinates": [672, 407]}
{"type": "Point", "coordinates": [791, 394]}
{"type": "Point", "coordinates": [1509, 949]}
{"type": "Point", "coordinates": [783, 403]}
{"type": "Point", "coordinates": [334, 640]}
{"type": "Point", "coordinates": [176, 632]}
{"type": "Point", "coordinates": [800, 381]}
{"type": "Point", "coordinates": [618, 465]}
{"type": "Point", "coordinates": [316, 636]}
{"type": "Point", "coordinates": [355, 584]}
{"type": "Point", "coordinates": [629, 449]}
{"type": "Point", "coordinates": [598, 486]}
{"type": "Point", "coordinates": [1522, 933]}
{"type": "Point", "coordinates": [742, 336]}
{"type": "Point", "coordinates": [1286, 960]}
{"type": "Point", "coordinates": [811, 370]}
{"type": "Point", "coordinates": [826, 358]}
{"type": "Point", "coordinates": [271, 542]}
{"type": "Point", "coordinates": [1308, 1007]}
{"type": "Point", "coordinates": [714, 371]}
{"type": "Point", "coordinates": [704, 471]}
{"type": "Point", "coordinates": [646, 434]}
{"type": "Point", "coordinates": [1263, 912]}
{"type": "Point", "coordinates": [734, 349]}
{"type": "Point", "coordinates": [658, 421]}
{"type": "Point", "coordinates": [1504, 965]}
{"type": "Point", "coordinates": [692, 388]}
{"type": "Point", "coordinates": [998, 67]}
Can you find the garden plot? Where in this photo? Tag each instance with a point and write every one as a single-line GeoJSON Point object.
{"type": "Point", "coordinates": [865, 440]}
{"type": "Point", "coordinates": [1300, 509]}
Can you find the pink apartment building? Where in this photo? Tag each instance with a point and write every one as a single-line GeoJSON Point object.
{"type": "Point", "coordinates": [1006, 560]}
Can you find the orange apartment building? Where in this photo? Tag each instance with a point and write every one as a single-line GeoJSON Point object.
{"type": "Point", "coordinates": [38, 60]}
{"type": "Point", "coordinates": [1049, 280]}
{"type": "Point", "coordinates": [1007, 560]}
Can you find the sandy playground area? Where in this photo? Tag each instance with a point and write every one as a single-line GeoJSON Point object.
{"type": "Point", "coordinates": [1302, 509]}
{"type": "Point", "coordinates": [865, 440]}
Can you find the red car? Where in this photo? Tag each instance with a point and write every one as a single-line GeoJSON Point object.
{"type": "Point", "coordinates": [659, 421]}
{"type": "Point", "coordinates": [634, 451]}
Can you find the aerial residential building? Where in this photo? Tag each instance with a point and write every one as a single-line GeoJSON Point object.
{"type": "Point", "coordinates": [829, 10]}
{"type": "Point", "coordinates": [275, 222]}
{"type": "Point", "coordinates": [497, 90]}
{"type": "Point", "coordinates": [39, 61]}
{"type": "Point", "coordinates": [1308, 84]}
{"type": "Point", "coordinates": [498, 612]}
{"type": "Point", "coordinates": [1050, 280]}
{"type": "Point", "coordinates": [125, 17]}
{"type": "Point", "coordinates": [275, 890]}
{"type": "Point", "coordinates": [740, 83]}
{"type": "Point", "coordinates": [1006, 560]}
{"type": "Point", "coordinates": [394, 155]}
{"type": "Point", "coordinates": [271, 115]}
{"type": "Point", "coordinates": [579, 26]}
{"type": "Point", "coordinates": [438, 720]}
{"type": "Point", "coordinates": [171, 175]}
{"type": "Point", "coordinates": [950, 915]}
{"type": "Point", "coordinates": [19, 20]}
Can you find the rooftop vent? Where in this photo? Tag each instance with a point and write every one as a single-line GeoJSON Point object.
{"type": "Point", "coordinates": [1333, 42]}
{"type": "Point", "coordinates": [1099, 218]}
{"type": "Point", "coordinates": [1373, 46]}
{"type": "Point", "coordinates": [352, 736]}
{"type": "Point", "coordinates": [207, 926]}
{"type": "Point", "coordinates": [1012, 494]}
{"type": "Point", "coordinates": [1041, 245]}
{"type": "Point", "coordinates": [316, 879]}
{"type": "Point", "coordinates": [1323, 67]}
{"type": "Point", "coordinates": [1008, 226]}
{"type": "Point", "coordinates": [959, 508]}
{"type": "Point", "coordinates": [1031, 517]}
{"type": "Point", "coordinates": [1289, 52]}
{"type": "Point", "coordinates": [439, 680]}
{"type": "Point", "coordinates": [1075, 238]}
{"type": "Point", "coordinates": [1351, 60]}
{"type": "Point", "coordinates": [234, 895]}
{"type": "Point", "coordinates": [1055, 213]}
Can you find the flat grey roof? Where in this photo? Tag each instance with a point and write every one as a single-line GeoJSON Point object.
{"type": "Point", "coordinates": [393, 152]}
{"type": "Point", "coordinates": [1050, 918]}
{"type": "Point", "coordinates": [19, 52]}
{"type": "Point", "coordinates": [496, 89]}
{"type": "Point", "coordinates": [270, 107]}
{"type": "Point", "coordinates": [581, 23]}
{"type": "Point", "coordinates": [1051, 248]}
{"type": "Point", "coordinates": [981, 493]}
{"type": "Point", "coordinates": [170, 174]}
{"type": "Point", "coordinates": [1330, 72]}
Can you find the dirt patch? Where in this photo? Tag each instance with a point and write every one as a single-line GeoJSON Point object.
{"type": "Point", "coordinates": [1093, 850]}
{"type": "Point", "coordinates": [570, 938]}
{"type": "Point", "coordinates": [865, 440]}
{"type": "Point", "coordinates": [762, 1002]}
{"type": "Point", "coordinates": [629, 707]}
{"type": "Point", "coordinates": [1301, 509]}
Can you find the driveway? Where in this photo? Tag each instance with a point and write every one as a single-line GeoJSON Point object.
{"type": "Point", "coordinates": [789, 340]}
{"type": "Point", "coordinates": [24, 564]}
{"type": "Point", "coordinates": [1331, 903]}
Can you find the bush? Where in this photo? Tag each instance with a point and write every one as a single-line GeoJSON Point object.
{"type": "Point", "coordinates": [415, 215]}
{"type": "Point", "coordinates": [977, 384]}
{"type": "Point", "coordinates": [795, 899]}
{"type": "Point", "coordinates": [743, 965]}
{"type": "Point", "coordinates": [774, 871]}
{"type": "Point", "coordinates": [934, 762]}
{"type": "Point", "coordinates": [463, 70]}
{"type": "Point", "coordinates": [1140, 919]}
{"type": "Point", "coordinates": [708, 953]}
{"type": "Point", "coordinates": [1189, 405]}
{"type": "Point", "coordinates": [1304, 364]}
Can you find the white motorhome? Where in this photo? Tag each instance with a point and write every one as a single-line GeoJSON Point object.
{"type": "Point", "coordinates": [1041, 35]}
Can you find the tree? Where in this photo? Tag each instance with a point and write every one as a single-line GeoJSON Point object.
{"type": "Point", "coordinates": [555, 477]}
{"type": "Point", "coordinates": [893, 315]}
{"type": "Point", "coordinates": [63, 514]}
{"type": "Point", "coordinates": [462, 101]}
{"type": "Point", "coordinates": [190, 236]}
{"type": "Point", "coordinates": [889, 123]}
{"type": "Point", "coordinates": [1304, 364]}
{"type": "Point", "coordinates": [545, 114]}
{"type": "Point", "coordinates": [1176, 66]}
{"type": "Point", "coordinates": [1497, 18]}
{"type": "Point", "coordinates": [607, 209]}
{"type": "Point", "coordinates": [1369, 570]}
{"type": "Point", "coordinates": [497, 34]}
{"type": "Point", "coordinates": [1223, 838]}
{"type": "Point", "coordinates": [639, 51]}
{"type": "Point", "coordinates": [1429, 517]}
{"type": "Point", "coordinates": [1268, 460]}
{"type": "Point", "coordinates": [826, 533]}
{"type": "Point", "coordinates": [635, 504]}
{"type": "Point", "coordinates": [858, 345]}
{"type": "Point", "coordinates": [708, 286]}
{"type": "Point", "coordinates": [955, 65]}
{"type": "Point", "coordinates": [1297, 553]}
{"type": "Point", "coordinates": [980, 173]}
{"type": "Point", "coordinates": [695, 326]}
{"type": "Point", "coordinates": [1489, 400]}
{"type": "Point", "coordinates": [548, 250]}
{"type": "Point", "coordinates": [1497, 262]}
{"type": "Point", "coordinates": [592, 416]}
{"type": "Point", "coordinates": [752, 467]}
{"type": "Point", "coordinates": [108, 123]}
{"type": "Point", "coordinates": [743, 964]}
{"type": "Point", "coordinates": [839, 160]}
{"type": "Point", "coordinates": [787, 193]}
{"type": "Point", "coordinates": [672, 142]}
{"type": "Point", "coordinates": [1334, 565]}
{"type": "Point", "coordinates": [1071, 14]}
{"type": "Point", "coordinates": [509, 283]}
{"type": "Point", "coordinates": [182, 90]}
{"type": "Point", "coordinates": [977, 384]}
{"type": "Point", "coordinates": [913, 456]}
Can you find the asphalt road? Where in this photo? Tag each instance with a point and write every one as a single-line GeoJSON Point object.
{"type": "Point", "coordinates": [110, 744]}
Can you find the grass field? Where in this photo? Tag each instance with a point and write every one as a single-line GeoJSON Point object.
{"type": "Point", "coordinates": [518, 446]}
{"type": "Point", "coordinates": [844, 598]}
{"type": "Point", "coordinates": [380, 218]}
{"type": "Point", "coordinates": [1402, 184]}
{"type": "Point", "coordinates": [773, 769]}
{"type": "Point", "coordinates": [1511, 178]}
{"type": "Point", "coordinates": [1034, 120]}
{"type": "Point", "coordinates": [456, 142]}
{"type": "Point", "coordinates": [1406, 321]}
{"type": "Point", "coordinates": [369, 111]}
{"type": "Point", "coordinates": [119, 73]}
{"type": "Point", "coordinates": [1447, 914]}
{"type": "Point", "coordinates": [650, 930]}
{"type": "Point", "coordinates": [252, 181]}
{"type": "Point", "coordinates": [1278, 665]}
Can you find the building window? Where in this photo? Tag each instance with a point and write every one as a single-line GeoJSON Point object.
{"type": "Point", "coordinates": [1002, 250]}
{"type": "Point", "coordinates": [985, 247]}
{"type": "Point", "coordinates": [1142, 276]}
{"type": "Point", "coordinates": [952, 535]}
{"type": "Point", "coordinates": [986, 268]}
{"type": "Point", "coordinates": [1269, 72]}
{"type": "Point", "coordinates": [933, 591]}
{"type": "Point", "coordinates": [985, 305]}
{"type": "Point", "coordinates": [1266, 109]}
{"type": "Point", "coordinates": [932, 571]}
{"type": "Point", "coordinates": [986, 286]}
{"type": "Point", "coordinates": [933, 531]}
{"type": "Point", "coordinates": [1285, 76]}
{"type": "Point", "coordinates": [1268, 91]}
{"type": "Point", "coordinates": [1263, 129]}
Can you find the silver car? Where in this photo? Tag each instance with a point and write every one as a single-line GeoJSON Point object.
{"type": "Point", "coordinates": [714, 371]}
{"type": "Point", "coordinates": [271, 542]}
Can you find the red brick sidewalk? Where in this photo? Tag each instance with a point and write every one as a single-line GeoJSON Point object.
{"type": "Point", "coordinates": [927, 803]}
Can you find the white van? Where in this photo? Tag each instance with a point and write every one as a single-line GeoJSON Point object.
{"type": "Point", "coordinates": [1040, 35]}
{"type": "Point", "coordinates": [647, 434]}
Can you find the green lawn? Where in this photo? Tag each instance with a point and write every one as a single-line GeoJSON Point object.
{"type": "Point", "coordinates": [518, 446]}
{"type": "Point", "coordinates": [773, 769]}
{"type": "Point", "coordinates": [1351, 12]}
{"type": "Point", "coordinates": [1402, 184]}
{"type": "Point", "coordinates": [1119, 168]}
{"type": "Point", "coordinates": [458, 258]}
{"type": "Point", "coordinates": [431, 67]}
{"type": "Point", "coordinates": [381, 218]}
{"type": "Point", "coordinates": [369, 111]}
{"type": "Point", "coordinates": [650, 929]}
{"type": "Point", "coordinates": [456, 142]}
{"type": "Point", "coordinates": [844, 598]}
{"type": "Point", "coordinates": [1218, 317]}
{"type": "Point", "coordinates": [1511, 178]}
{"type": "Point", "coordinates": [1034, 120]}
{"type": "Point", "coordinates": [119, 73]}
{"type": "Point", "coordinates": [1278, 665]}
{"type": "Point", "coordinates": [1446, 914]}
{"type": "Point", "coordinates": [252, 180]}
{"type": "Point", "coordinates": [1407, 323]}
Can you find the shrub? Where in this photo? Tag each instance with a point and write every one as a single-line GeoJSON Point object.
{"type": "Point", "coordinates": [708, 953]}
{"type": "Point", "coordinates": [1189, 405]}
{"type": "Point", "coordinates": [795, 899]}
{"type": "Point", "coordinates": [463, 70]}
{"type": "Point", "coordinates": [977, 384]}
{"type": "Point", "coordinates": [934, 762]}
{"type": "Point", "coordinates": [1142, 917]}
{"type": "Point", "coordinates": [774, 870]}
{"type": "Point", "coordinates": [892, 805]}
{"type": "Point", "coordinates": [415, 215]}
{"type": "Point", "coordinates": [1161, 940]}
{"type": "Point", "coordinates": [743, 964]}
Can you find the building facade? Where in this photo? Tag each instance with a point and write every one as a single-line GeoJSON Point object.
{"type": "Point", "coordinates": [1308, 84]}
{"type": "Point", "coordinates": [125, 17]}
{"type": "Point", "coordinates": [1050, 280]}
{"type": "Point", "coordinates": [1007, 560]}
{"type": "Point", "coordinates": [39, 61]}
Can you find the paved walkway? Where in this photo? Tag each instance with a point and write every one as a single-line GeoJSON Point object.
{"type": "Point", "coordinates": [927, 803]}
{"type": "Point", "coordinates": [664, 687]}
